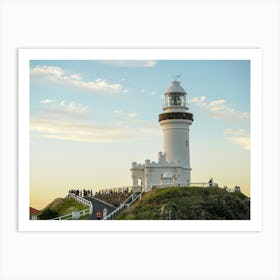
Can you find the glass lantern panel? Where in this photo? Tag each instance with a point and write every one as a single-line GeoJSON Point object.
{"type": "Point", "coordinates": [175, 100]}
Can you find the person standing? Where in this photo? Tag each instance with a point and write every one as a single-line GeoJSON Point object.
{"type": "Point", "coordinates": [98, 215]}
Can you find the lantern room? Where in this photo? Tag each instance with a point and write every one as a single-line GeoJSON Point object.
{"type": "Point", "coordinates": [175, 96]}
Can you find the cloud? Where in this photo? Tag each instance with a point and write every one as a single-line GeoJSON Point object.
{"type": "Point", "coordinates": [92, 132]}
{"type": "Point", "coordinates": [47, 101]}
{"type": "Point", "coordinates": [130, 63]}
{"type": "Point", "coordinates": [51, 71]}
{"type": "Point", "coordinates": [238, 136]}
{"type": "Point", "coordinates": [199, 100]}
{"type": "Point", "coordinates": [64, 109]}
{"type": "Point", "coordinates": [117, 112]}
{"type": "Point", "coordinates": [70, 121]}
{"type": "Point", "coordinates": [219, 109]}
{"type": "Point", "coordinates": [132, 115]}
{"type": "Point", "coordinates": [57, 75]}
{"type": "Point", "coordinates": [120, 113]}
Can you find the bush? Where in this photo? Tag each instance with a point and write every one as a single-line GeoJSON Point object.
{"type": "Point", "coordinates": [48, 214]}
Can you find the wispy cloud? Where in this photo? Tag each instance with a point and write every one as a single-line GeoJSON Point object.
{"type": "Point", "coordinates": [147, 92]}
{"type": "Point", "coordinates": [47, 101]}
{"type": "Point", "coordinates": [130, 63]}
{"type": "Point", "coordinates": [219, 109]}
{"type": "Point", "coordinates": [50, 71]}
{"type": "Point", "coordinates": [70, 121]}
{"type": "Point", "coordinates": [238, 136]}
{"type": "Point", "coordinates": [64, 108]}
{"type": "Point", "coordinates": [117, 112]}
{"type": "Point", "coordinates": [121, 114]}
{"type": "Point", "coordinates": [57, 75]}
{"type": "Point", "coordinates": [132, 115]}
{"type": "Point", "coordinates": [92, 132]}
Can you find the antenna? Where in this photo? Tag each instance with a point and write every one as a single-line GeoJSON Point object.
{"type": "Point", "coordinates": [176, 77]}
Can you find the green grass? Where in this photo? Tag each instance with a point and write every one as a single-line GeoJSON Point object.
{"type": "Point", "coordinates": [193, 203]}
{"type": "Point", "coordinates": [65, 206]}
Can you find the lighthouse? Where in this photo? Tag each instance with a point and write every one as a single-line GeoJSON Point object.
{"type": "Point", "coordinates": [175, 122]}
{"type": "Point", "coordinates": [173, 165]}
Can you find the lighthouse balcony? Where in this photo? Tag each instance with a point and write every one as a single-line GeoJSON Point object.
{"type": "Point", "coordinates": [171, 109]}
{"type": "Point", "coordinates": [176, 115]}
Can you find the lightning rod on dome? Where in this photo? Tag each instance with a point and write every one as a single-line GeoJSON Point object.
{"type": "Point", "coordinates": [177, 77]}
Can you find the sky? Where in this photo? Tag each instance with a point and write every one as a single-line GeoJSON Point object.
{"type": "Point", "coordinates": [90, 119]}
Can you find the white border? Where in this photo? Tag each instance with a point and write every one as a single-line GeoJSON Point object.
{"type": "Point", "coordinates": [254, 55]}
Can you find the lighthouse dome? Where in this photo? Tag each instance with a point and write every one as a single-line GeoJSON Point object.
{"type": "Point", "coordinates": [175, 96]}
{"type": "Point", "coordinates": [175, 87]}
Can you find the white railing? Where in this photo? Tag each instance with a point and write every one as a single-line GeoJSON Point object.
{"type": "Point", "coordinates": [73, 215]}
{"type": "Point", "coordinates": [82, 201]}
{"type": "Point", "coordinates": [163, 186]}
{"type": "Point", "coordinates": [65, 217]}
{"type": "Point", "coordinates": [168, 185]}
{"type": "Point", "coordinates": [77, 214]}
{"type": "Point", "coordinates": [235, 189]}
{"type": "Point", "coordinates": [199, 185]}
{"type": "Point", "coordinates": [203, 185]}
{"type": "Point", "coordinates": [138, 192]}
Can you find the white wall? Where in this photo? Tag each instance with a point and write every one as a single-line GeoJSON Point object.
{"type": "Point", "coordinates": [175, 137]}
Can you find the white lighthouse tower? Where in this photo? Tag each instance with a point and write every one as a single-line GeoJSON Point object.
{"type": "Point", "coordinates": [173, 166]}
{"type": "Point", "coordinates": [175, 122]}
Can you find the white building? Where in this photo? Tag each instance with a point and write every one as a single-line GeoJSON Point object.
{"type": "Point", "coordinates": [173, 166]}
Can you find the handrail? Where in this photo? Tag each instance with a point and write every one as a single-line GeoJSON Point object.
{"type": "Point", "coordinates": [139, 188]}
{"type": "Point", "coordinates": [116, 211]}
{"type": "Point", "coordinates": [199, 185]}
{"type": "Point", "coordinates": [61, 217]}
{"type": "Point", "coordinates": [134, 196]}
{"type": "Point", "coordinates": [70, 216]}
{"type": "Point", "coordinates": [82, 200]}
{"type": "Point", "coordinates": [203, 184]}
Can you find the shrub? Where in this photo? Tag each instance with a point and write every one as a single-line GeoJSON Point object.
{"type": "Point", "coordinates": [48, 214]}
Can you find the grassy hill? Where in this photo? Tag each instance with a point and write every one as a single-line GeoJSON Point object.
{"type": "Point", "coordinates": [191, 203]}
{"type": "Point", "coordinates": [64, 206]}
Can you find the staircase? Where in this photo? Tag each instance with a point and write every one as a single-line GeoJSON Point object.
{"type": "Point", "coordinates": [137, 194]}
{"type": "Point", "coordinates": [97, 205]}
